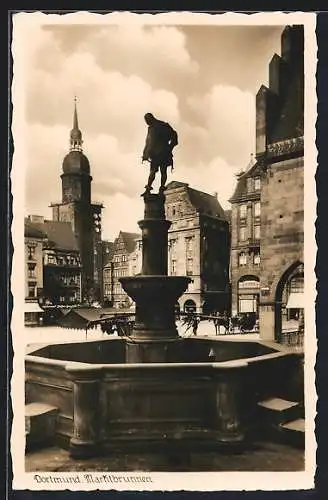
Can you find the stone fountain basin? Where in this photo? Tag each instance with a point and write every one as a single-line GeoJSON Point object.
{"type": "Point", "coordinates": [152, 288]}
{"type": "Point", "coordinates": [106, 405]}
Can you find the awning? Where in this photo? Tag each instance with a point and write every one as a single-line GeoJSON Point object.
{"type": "Point", "coordinates": [295, 300]}
{"type": "Point", "coordinates": [32, 307]}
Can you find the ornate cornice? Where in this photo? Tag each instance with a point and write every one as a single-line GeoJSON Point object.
{"type": "Point", "coordinates": [286, 147]}
{"type": "Point", "coordinates": [244, 197]}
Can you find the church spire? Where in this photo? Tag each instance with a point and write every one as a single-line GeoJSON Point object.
{"type": "Point", "coordinates": [76, 134]}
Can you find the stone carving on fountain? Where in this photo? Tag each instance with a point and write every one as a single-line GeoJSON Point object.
{"type": "Point", "coordinates": [154, 292]}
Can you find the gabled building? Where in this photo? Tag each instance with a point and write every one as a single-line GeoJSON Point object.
{"type": "Point", "coordinates": [107, 287]}
{"type": "Point", "coordinates": [33, 243]}
{"type": "Point", "coordinates": [124, 246]}
{"type": "Point", "coordinates": [61, 263]}
{"type": "Point", "coordinates": [199, 242]}
{"type": "Point", "coordinates": [135, 258]}
{"type": "Point", "coordinates": [245, 241]}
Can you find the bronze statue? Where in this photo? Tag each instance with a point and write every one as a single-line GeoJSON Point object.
{"type": "Point", "coordinates": [160, 141]}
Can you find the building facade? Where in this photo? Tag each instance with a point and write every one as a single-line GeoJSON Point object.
{"type": "Point", "coordinates": [135, 258]}
{"type": "Point", "coordinates": [108, 284]}
{"type": "Point", "coordinates": [33, 245]}
{"type": "Point", "coordinates": [198, 246]}
{"type": "Point", "coordinates": [124, 246]}
{"type": "Point", "coordinates": [199, 242]}
{"type": "Point", "coordinates": [107, 264]}
{"type": "Point", "coordinates": [245, 241]}
{"type": "Point", "coordinates": [61, 263]}
{"type": "Point", "coordinates": [77, 208]}
{"type": "Point", "coordinates": [280, 152]}
{"type": "Point", "coordinates": [267, 221]}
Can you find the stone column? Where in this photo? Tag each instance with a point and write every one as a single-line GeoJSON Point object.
{"type": "Point", "coordinates": [268, 319]}
{"type": "Point", "coordinates": [154, 292]}
{"type": "Point", "coordinates": [154, 228]}
{"type": "Point", "coordinates": [87, 415]}
{"type": "Point", "coordinates": [229, 403]}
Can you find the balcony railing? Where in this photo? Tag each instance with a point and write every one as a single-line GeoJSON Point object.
{"type": "Point", "coordinates": [63, 264]}
{"type": "Point", "coordinates": [253, 242]}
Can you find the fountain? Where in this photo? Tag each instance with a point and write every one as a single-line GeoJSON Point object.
{"type": "Point", "coordinates": [154, 388]}
{"type": "Point", "coordinates": [155, 336]}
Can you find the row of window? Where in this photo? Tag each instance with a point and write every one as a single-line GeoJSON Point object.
{"type": "Point", "coordinates": [244, 233]}
{"type": "Point", "coordinates": [107, 274]}
{"type": "Point", "coordinates": [189, 242]}
{"type": "Point", "coordinates": [117, 273]}
{"type": "Point", "coordinates": [120, 258]}
{"type": "Point", "coordinates": [253, 184]}
{"type": "Point", "coordinates": [31, 270]}
{"type": "Point", "coordinates": [245, 259]}
{"type": "Point", "coordinates": [243, 210]}
{"type": "Point", "coordinates": [189, 267]}
{"type": "Point", "coordinates": [296, 284]}
{"type": "Point", "coordinates": [69, 280]}
{"type": "Point", "coordinates": [72, 298]}
{"type": "Point", "coordinates": [62, 260]}
{"type": "Point", "coordinates": [118, 287]}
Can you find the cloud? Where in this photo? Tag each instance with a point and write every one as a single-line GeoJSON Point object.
{"type": "Point", "coordinates": [156, 53]}
{"type": "Point", "coordinates": [109, 102]}
{"type": "Point", "coordinates": [121, 214]}
{"type": "Point", "coordinates": [118, 74]}
{"type": "Point", "coordinates": [228, 115]}
{"type": "Point", "coordinates": [217, 176]}
{"type": "Point", "coordinates": [46, 148]}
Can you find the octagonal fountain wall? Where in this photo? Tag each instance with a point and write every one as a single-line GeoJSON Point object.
{"type": "Point", "coordinates": [113, 405]}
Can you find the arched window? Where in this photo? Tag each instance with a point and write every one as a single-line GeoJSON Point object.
{"type": "Point", "coordinates": [189, 306]}
{"type": "Point", "coordinates": [289, 300]}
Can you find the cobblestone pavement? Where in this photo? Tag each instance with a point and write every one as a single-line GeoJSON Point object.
{"type": "Point", "coordinates": [262, 457]}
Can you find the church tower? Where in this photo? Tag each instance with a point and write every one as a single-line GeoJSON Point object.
{"type": "Point", "coordinates": [85, 216]}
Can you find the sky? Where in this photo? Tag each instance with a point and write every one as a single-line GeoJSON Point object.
{"type": "Point", "coordinates": [201, 79]}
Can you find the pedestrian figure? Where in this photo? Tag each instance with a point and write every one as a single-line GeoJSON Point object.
{"type": "Point", "coordinates": [217, 323]}
{"type": "Point", "coordinates": [160, 141]}
{"type": "Point", "coordinates": [189, 321]}
{"type": "Point", "coordinates": [195, 323]}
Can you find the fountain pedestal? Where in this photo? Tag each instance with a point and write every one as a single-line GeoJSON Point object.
{"type": "Point", "coordinates": [154, 292]}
